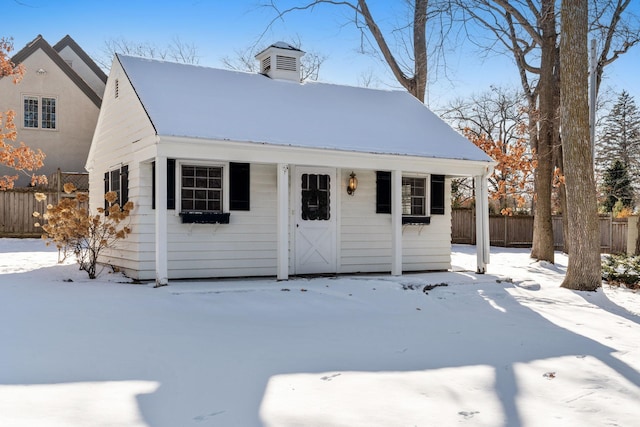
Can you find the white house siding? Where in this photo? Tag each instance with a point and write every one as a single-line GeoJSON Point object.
{"type": "Point", "coordinates": [428, 247]}
{"type": "Point", "coordinates": [123, 129]}
{"type": "Point", "coordinates": [247, 246]}
{"type": "Point", "coordinates": [365, 236]}
{"type": "Point", "coordinates": [244, 247]}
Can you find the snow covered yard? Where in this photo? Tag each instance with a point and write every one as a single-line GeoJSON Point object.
{"type": "Point", "coordinates": [509, 348]}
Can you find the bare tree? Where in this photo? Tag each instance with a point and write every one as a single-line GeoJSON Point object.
{"type": "Point", "coordinates": [408, 62]}
{"type": "Point", "coordinates": [527, 30]}
{"type": "Point", "coordinates": [177, 51]}
{"type": "Point", "coordinates": [584, 269]}
{"type": "Point", "coordinates": [496, 121]}
{"type": "Point", "coordinates": [244, 60]}
{"type": "Point", "coordinates": [615, 28]}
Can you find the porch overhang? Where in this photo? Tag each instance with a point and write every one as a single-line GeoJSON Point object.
{"type": "Point", "coordinates": [287, 157]}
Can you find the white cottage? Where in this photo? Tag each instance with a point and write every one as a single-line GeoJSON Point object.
{"type": "Point", "coordinates": [242, 174]}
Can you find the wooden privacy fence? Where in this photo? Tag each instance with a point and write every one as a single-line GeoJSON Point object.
{"type": "Point", "coordinates": [517, 231]}
{"type": "Point", "coordinates": [17, 205]}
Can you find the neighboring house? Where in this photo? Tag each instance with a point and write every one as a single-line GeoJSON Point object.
{"type": "Point", "coordinates": [57, 103]}
{"type": "Point", "coordinates": [240, 174]}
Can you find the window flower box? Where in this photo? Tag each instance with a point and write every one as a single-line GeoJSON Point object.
{"type": "Point", "coordinates": [204, 218]}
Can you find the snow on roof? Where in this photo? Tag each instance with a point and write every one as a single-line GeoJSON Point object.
{"type": "Point", "coordinates": [284, 45]}
{"type": "Point", "coordinates": [195, 101]}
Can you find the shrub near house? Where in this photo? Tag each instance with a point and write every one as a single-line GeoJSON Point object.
{"type": "Point", "coordinates": [73, 228]}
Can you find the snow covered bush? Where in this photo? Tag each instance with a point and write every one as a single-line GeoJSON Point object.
{"type": "Point", "coordinates": [73, 229]}
{"type": "Point", "coordinates": [622, 270]}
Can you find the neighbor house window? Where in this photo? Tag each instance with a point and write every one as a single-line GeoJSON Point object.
{"type": "Point", "coordinates": [117, 180]}
{"type": "Point", "coordinates": [414, 195]}
{"type": "Point", "coordinates": [48, 113]}
{"type": "Point", "coordinates": [39, 112]}
{"type": "Point", "coordinates": [30, 112]}
{"type": "Point", "coordinates": [201, 189]}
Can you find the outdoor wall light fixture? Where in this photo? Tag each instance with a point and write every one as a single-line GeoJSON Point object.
{"type": "Point", "coordinates": [352, 184]}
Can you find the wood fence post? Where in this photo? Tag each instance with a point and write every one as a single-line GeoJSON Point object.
{"type": "Point", "coordinates": [506, 226]}
{"type": "Point", "coordinates": [611, 233]}
{"type": "Point", "coordinates": [59, 184]}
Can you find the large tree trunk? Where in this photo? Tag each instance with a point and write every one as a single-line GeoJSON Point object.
{"type": "Point", "coordinates": [543, 247]}
{"type": "Point", "coordinates": [584, 269]}
{"type": "Point", "coordinates": [416, 85]}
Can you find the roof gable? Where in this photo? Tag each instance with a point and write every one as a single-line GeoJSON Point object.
{"type": "Point", "coordinates": [67, 41]}
{"type": "Point", "coordinates": [194, 101]}
{"type": "Point", "coordinates": [40, 43]}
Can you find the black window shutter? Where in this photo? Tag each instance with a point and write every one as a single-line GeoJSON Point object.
{"type": "Point", "coordinates": [171, 183]}
{"type": "Point", "coordinates": [106, 190]}
{"type": "Point", "coordinates": [239, 186]}
{"type": "Point", "coordinates": [437, 195]}
{"type": "Point", "coordinates": [383, 192]}
{"type": "Point", "coordinates": [153, 185]}
{"type": "Point", "coordinates": [124, 185]}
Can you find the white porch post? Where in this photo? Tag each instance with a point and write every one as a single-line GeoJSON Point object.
{"type": "Point", "coordinates": [162, 275]}
{"type": "Point", "coordinates": [283, 222]}
{"type": "Point", "coordinates": [482, 223]}
{"type": "Point", "coordinates": [396, 223]}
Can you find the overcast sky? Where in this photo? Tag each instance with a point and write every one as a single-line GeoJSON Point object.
{"type": "Point", "coordinates": [218, 28]}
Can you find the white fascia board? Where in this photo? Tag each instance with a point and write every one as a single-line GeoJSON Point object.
{"type": "Point", "coordinates": [146, 149]}
{"type": "Point", "coordinates": [202, 149]}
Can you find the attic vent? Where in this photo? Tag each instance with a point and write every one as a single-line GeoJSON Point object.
{"type": "Point", "coordinates": [266, 64]}
{"type": "Point", "coordinates": [286, 63]}
{"type": "Point", "coordinates": [116, 89]}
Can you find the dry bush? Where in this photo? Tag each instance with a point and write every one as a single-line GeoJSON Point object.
{"type": "Point", "coordinates": [73, 229]}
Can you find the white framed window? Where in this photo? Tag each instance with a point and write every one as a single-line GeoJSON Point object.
{"type": "Point", "coordinates": [39, 112]}
{"type": "Point", "coordinates": [414, 196]}
{"type": "Point", "coordinates": [201, 188]}
{"type": "Point", "coordinates": [31, 118]}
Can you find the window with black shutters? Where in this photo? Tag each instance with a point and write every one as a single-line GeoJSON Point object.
{"type": "Point", "coordinates": [117, 180]}
{"type": "Point", "coordinates": [414, 197]}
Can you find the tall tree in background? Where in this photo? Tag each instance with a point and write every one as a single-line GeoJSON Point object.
{"type": "Point", "coordinates": [584, 269]}
{"type": "Point", "coordinates": [616, 187]}
{"type": "Point", "coordinates": [176, 50]}
{"type": "Point", "coordinates": [408, 62]}
{"type": "Point", "coordinates": [527, 30]}
{"type": "Point", "coordinates": [19, 158]}
{"type": "Point", "coordinates": [620, 138]}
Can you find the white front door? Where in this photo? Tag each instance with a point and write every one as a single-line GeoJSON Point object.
{"type": "Point", "coordinates": [315, 220]}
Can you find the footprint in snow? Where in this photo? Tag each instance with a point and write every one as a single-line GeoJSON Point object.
{"type": "Point", "coordinates": [329, 377]}
{"type": "Point", "coordinates": [468, 414]}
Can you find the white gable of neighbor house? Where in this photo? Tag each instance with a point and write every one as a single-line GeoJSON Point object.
{"type": "Point", "coordinates": [193, 101]}
{"type": "Point", "coordinates": [82, 68]}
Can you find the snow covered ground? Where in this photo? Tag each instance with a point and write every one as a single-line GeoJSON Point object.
{"type": "Point", "coordinates": [509, 348]}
